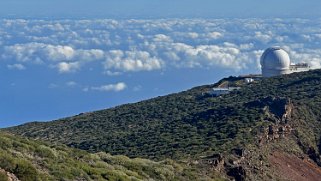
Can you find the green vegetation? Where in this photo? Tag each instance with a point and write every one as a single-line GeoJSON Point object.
{"type": "Point", "coordinates": [188, 124]}
{"type": "Point", "coordinates": [234, 134]}
{"type": "Point", "coordinates": [3, 176]}
{"type": "Point", "coordinates": [31, 161]}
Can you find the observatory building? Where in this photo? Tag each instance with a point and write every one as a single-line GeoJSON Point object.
{"type": "Point", "coordinates": [276, 61]}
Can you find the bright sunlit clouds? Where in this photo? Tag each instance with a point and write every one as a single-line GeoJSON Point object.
{"type": "Point", "coordinates": [146, 45]}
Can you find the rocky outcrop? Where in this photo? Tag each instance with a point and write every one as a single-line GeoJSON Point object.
{"type": "Point", "coordinates": [274, 132]}
{"type": "Point", "coordinates": [277, 111]}
{"type": "Point", "coordinates": [216, 161]}
{"type": "Point", "coordinates": [232, 168]}
{"type": "Point", "coordinates": [11, 176]}
{"type": "Point", "coordinates": [238, 173]}
{"type": "Point", "coordinates": [312, 153]}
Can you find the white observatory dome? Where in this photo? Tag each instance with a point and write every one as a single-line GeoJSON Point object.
{"type": "Point", "coordinates": [275, 61]}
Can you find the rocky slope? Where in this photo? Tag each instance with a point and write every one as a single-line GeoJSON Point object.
{"type": "Point", "coordinates": [235, 134]}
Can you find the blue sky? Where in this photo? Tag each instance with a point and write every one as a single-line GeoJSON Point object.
{"type": "Point", "coordinates": [60, 58]}
{"type": "Point", "coordinates": [160, 8]}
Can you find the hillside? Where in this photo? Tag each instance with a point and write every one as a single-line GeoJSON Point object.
{"type": "Point", "coordinates": [28, 160]}
{"type": "Point", "coordinates": [237, 133]}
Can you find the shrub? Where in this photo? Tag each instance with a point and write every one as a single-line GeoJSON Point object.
{"type": "Point", "coordinates": [25, 171]}
{"type": "Point", "coordinates": [44, 152]}
{"type": "Point", "coordinates": [3, 176]}
{"type": "Point", "coordinates": [6, 162]}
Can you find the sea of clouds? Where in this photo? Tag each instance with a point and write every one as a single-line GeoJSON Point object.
{"type": "Point", "coordinates": [122, 46]}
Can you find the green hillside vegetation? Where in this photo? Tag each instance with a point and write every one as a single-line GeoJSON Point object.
{"type": "Point", "coordinates": [31, 161]}
{"type": "Point", "coordinates": [183, 124]}
{"type": "Point", "coordinates": [174, 126]}
{"type": "Point", "coordinates": [280, 113]}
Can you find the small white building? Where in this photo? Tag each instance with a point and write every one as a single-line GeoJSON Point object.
{"type": "Point", "coordinates": [217, 91]}
{"type": "Point", "coordinates": [248, 80]}
{"type": "Point", "coordinates": [300, 67]}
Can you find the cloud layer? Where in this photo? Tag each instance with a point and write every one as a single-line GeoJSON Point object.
{"type": "Point", "coordinates": [120, 46]}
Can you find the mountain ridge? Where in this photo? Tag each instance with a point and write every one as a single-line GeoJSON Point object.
{"type": "Point", "coordinates": [235, 134]}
